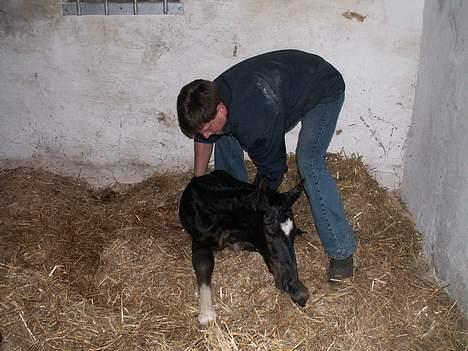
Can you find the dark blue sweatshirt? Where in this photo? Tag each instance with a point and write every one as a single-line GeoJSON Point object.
{"type": "Point", "coordinates": [266, 96]}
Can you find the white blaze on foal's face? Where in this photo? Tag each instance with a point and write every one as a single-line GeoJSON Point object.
{"type": "Point", "coordinates": [287, 226]}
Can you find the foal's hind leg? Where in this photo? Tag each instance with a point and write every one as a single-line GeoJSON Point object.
{"type": "Point", "coordinates": [203, 264]}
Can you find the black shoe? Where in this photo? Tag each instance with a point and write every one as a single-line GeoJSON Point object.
{"type": "Point", "coordinates": [340, 269]}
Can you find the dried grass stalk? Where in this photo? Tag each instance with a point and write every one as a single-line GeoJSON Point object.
{"type": "Point", "coordinates": [109, 269]}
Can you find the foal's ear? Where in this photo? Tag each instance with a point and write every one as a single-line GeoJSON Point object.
{"type": "Point", "coordinates": [293, 194]}
{"type": "Point", "coordinates": [299, 231]}
{"type": "Point", "coordinates": [261, 183]}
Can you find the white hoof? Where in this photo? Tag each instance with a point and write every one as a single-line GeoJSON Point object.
{"type": "Point", "coordinates": [205, 317]}
{"type": "Point", "coordinates": [207, 312]}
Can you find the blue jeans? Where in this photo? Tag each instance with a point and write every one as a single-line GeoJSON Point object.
{"type": "Point", "coordinates": [317, 129]}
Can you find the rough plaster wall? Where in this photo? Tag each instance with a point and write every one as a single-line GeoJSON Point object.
{"type": "Point", "coordinates": [435, 183]}
{"type": "Point", "coordinates": [95, 96]}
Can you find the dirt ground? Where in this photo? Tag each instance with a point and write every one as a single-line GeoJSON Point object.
{"type": "Point", "coordinates": [110, 269]}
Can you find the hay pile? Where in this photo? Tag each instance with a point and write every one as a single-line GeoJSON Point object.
{"type": "Point", "coordinates": [82, 269]}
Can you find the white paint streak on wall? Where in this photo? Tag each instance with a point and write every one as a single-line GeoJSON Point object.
{"type": "Point", "coordinates": [95, 95]}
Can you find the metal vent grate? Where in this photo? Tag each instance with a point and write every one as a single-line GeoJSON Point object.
{"type": "Point", "coordinates": [106, 8]}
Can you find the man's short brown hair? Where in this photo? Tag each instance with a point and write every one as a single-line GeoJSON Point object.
{"type": "Point", "coordinates": [196, 105]}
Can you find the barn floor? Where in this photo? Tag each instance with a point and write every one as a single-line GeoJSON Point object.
{"type": "Point", "coordinates": [82, 269]}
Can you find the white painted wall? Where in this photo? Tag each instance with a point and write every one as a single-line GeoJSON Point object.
{"type": "Point", "coordinates": [95, 96]}
{"type": "Point", "coordinates": [435, 182]}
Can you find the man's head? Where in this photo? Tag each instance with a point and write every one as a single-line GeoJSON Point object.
{"type": "Point", "coordinates": [200, 109]}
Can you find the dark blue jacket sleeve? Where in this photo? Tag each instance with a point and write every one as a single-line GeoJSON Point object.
{"type": "Point", "coordinates": [263, 137]}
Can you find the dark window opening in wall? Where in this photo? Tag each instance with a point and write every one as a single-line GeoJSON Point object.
{"type": "Point", "coordinates": [121, 7]}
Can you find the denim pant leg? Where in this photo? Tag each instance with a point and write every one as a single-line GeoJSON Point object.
{"type": "Point", "coordinates": [229, 157]}
{"type": "Point", "coordinates": [317, 129]}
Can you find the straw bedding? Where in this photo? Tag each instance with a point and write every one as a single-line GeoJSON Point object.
{"type": "Point", "coordinates": [110, 269]}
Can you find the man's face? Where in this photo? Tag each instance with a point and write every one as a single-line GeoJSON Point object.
{"type": "Point", "coordinates": [216, 125]}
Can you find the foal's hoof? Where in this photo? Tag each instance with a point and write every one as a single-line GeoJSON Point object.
{"type": "Point", "coordinates": [301, 295]}
{"type": "Point", "coordinates": [206, 317]}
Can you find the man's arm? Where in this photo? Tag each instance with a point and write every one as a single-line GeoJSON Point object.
{"type": "Point", "coordinates": [202, 154]}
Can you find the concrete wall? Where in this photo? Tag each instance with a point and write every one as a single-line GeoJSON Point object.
{"type": "Point", "coordinates": [95, 96]}
{"type": "Point", "coordinates": [435, 183]}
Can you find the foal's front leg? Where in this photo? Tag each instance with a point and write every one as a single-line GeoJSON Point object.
{"type": "Point", "coordinates": [203, 264]}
